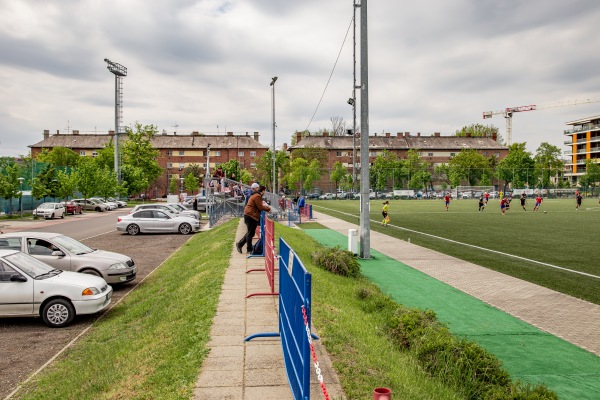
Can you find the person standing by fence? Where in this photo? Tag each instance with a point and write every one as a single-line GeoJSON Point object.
{"type": "Point", "coordinates": [252, 218]}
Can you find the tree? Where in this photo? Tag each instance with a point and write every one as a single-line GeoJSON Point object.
{"type": "Point", "coordinates": [45, 183]}
{"type": "Point", "coordinates": [591, 178]}
{"type": "Point", "coordinates": [139, 157]}
{"type": "Point", "coordinates": [174, 185]}
{"type": "Point", "coordinates": [467, 165]}
{"type": "Point", "coordinates": [515, 167]}
{"type": "Point", "coordinates": [66, 184]}
{"type": "Point", "coordinates": [191, 183]}
{"type": "Point", "coordinates": [134, 181]}
{"type": "Point", "coordinates": [339, 174]}
{"type": "Point", "coordinates": [547, 163]}
{"type": "Point", "coordinates": [87, 177]}
{"type": "Point", "coordinates": [106, 156]}
{"type": "Point", "coordinates": [59, 157]}
{"type": "Point", "coordinates": [303, 174]}
{"type": "Point", "coordinates": [312, 153]}
{"type": "Point", "coordinates": [108, 185]}
{"type": "Point", "coordinates": [479, 130]}
{"type": "Point", "coordinates": [264, 167]}
{"type": "Point", "coordinates": [231, 169]}
{"type": "Point", "coordinates": [385, 167]}
{"type": "Point", "coordinates": [10, 186]}
{"type": "Point", "coordinates": [338, 126]}
{"type": "Point", "coordinates": [416, 169]}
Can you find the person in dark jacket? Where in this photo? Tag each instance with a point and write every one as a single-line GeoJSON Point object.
{"type": "Point", "coordinates": [252, 218]}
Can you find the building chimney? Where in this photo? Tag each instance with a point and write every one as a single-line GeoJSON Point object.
{"type": "Point", "coordinates": [256, 136]}
{"type": "Point", "coordinates": [75, 131]}
{"type": "Point", "coordinates": [229, 133]}
{"type": "Point", "coordinates": [400, 134]}
{"type": "Point", "coordinates": [494, 137]}
{"type": "Point", "coordinates": [387, 134]}
{"type": "Point", "coordinates": [285, 147]}
{"type": "Point", "coordinates": [195, 133]}
{"type": "Point", "coordinates": [325, 133]}
{"type": "Point", "coordinates": [436, 134]}
{"type": "Point", "coordinates": [406, 134]}
{"type": "Point", "coordinates": [418, 134]}
{"type": "Point", "coordinates": [58, 132]}
{"type": "Point", "coordinates": [298, 137]}
{"type": "Point", "coordinates": [46, 134]}
{"type": "Point", "coordinates": [111, 133]}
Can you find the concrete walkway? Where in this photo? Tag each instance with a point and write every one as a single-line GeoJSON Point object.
{"type": "Point", "coordinates": [253, 370]}
{"type": "Point", "coordinates": [576, 321]}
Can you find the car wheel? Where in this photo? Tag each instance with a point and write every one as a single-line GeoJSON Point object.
{"type": "Point", "coordinates": [98, 209]}
{"type": "Point", "coordinates": [58, 313]}
{"type": "Point", "coordinates": [133, 229]}
{"type": "Point", "coordinates": [62, 216]}
{"type": "Point", "coordinates": [185, 228]}
{"type": "Point", "coordinates": [80, 211]}
{"type": "Point", "coordinates": [52, 216]}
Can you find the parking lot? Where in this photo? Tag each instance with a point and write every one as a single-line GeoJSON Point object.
{"type": "Point", "coordinates": [27, 343]}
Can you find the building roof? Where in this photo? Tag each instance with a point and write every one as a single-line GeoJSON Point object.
{"type": "Point", "coordinates": [399, 143]}
{"type": "Point", "coordinates": [583, 120]}
{"type": "Point", "coordinates": [97, 141]}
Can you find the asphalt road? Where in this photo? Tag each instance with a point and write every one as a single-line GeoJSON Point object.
{"type": "Point", "coordinates": [26, 343]}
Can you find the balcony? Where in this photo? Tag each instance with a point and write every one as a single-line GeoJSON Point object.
{"type": "Point", "coordinates": [583, 128]}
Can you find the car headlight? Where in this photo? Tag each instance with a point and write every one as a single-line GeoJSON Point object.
{"type": "Point", "coordinates": [90, 291]}
{"type": "Point", "coordinates": [118, 266]}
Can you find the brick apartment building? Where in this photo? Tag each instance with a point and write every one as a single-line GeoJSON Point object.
{"type": "Point", "coordinates": [176, 152]}
{"type": "Point", "coordinates": [435, 149]}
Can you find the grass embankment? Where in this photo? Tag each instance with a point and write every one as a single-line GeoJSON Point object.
{"type": "Point", "coordinates": [152, 344]}
{"type": "Point", "coordinates": [564, 237]}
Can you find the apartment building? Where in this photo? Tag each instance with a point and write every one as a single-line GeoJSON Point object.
{"type": "Point", "coordinates": [584, 144]}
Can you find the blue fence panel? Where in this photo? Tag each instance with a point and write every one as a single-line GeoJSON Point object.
{"type": "Point", "coordinates": [294, 292]}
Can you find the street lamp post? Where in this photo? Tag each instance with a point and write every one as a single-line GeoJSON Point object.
{"type": "Point", "coordinates": [21, 196]}
{"type": "Point", "coordinates": [272, 84]}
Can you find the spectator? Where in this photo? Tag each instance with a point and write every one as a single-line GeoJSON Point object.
{"type": "Point", "coordinates": [252, 217]}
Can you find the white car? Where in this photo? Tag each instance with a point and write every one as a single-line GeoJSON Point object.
{"type": "Point", "coordinates": [32, 288]}
{"type": "Point", "coordinates": [50, 210]}
{"type": "Point", "coordinates": [110, 205]}
{"type": "Point", "coordinates": [327, 196]}
{"type": "Point", "coordinates": [167, 208]}
{"type": "Point", "coordinates": [156, 221]}
{"type": "Point", "coordinates": [185, 211]}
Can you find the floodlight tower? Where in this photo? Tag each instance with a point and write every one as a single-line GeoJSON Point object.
{"type": "Point", "coordinates": [119, 71]}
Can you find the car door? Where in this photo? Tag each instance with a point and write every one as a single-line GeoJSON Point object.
{"type": "Point", "coordinates": [16, 298]}
{"type": "Point", "coordinates": [163, 221]}
{"type": "Point", "coordinates": [43, 250]}
{"type": "Point", "coordinates": [145, 220]}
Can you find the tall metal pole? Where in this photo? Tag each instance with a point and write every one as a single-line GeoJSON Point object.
{"type": "Point", "coordinates": [274, 188]}
{"type": "Point", "coordinates": [119, 71]}
{"type": "Point", "coordinates": [365, 234]}
{"type": "Point", "coordinates": [354, 5]}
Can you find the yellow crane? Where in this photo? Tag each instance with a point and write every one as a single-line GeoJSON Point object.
{"type": "Point", "coordinates": [508, 112]}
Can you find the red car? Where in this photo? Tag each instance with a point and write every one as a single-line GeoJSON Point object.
{"type": "Point", "coordinates": [72, 207]}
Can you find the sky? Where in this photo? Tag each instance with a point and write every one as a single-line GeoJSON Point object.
{"type": "Point", "coordinates": [207, 65]}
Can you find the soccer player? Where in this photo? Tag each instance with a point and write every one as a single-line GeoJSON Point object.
{"type": "Point", "coordinates": [538, 202]}
{"type": "Point", "coordinates": [447, 200]}
{"type": "Point", "coordinates": [384, 212]}
{"type": "Point", "coordinates": [523, 200]}
{"type": "Point", "coordinates": [578, 198]}
{"type": "Point", "coordinates": [503, 205]}
{"type": "Point", "coordinates": [481, 203]}
{"type": "Point", "coordinates": [487, 197]}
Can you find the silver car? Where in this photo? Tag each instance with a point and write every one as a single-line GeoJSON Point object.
{"type": "Point", "coordinates": [32, 288]}
{"type": "Point", "coordinates": [153, 220]}
{"type": "Point", "coordinates": [168, 208]}
{"type": "Point", "coordinates": [91, 205]}
{"type": "Point", "coordinates": [50, 210]}
{"type": "Point", "coordinates": [185, 211]}
{"type": "Point", "coordinates": [67, 254]}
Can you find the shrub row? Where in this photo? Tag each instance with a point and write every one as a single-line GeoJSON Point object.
{"type": "Point", "coordinates": [337, 261]}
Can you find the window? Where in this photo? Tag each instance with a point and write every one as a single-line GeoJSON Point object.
{"type": "Point", "coordinates": [94, 153]}
{"type": "Point", "coordinates": [82, 152]}
{"type": "Point", "coordinates": [430, 154]}
{"type": "Point", "coordinates": [6, 271]}
{"type": "Point", "coordinates": [181, 152]}
{"type": "Point", "coordinates": [169, 153]}
{"type": "Point", "coordinates": [338, 153]}
{"type": "Point", "coordinates": [252, 165]}
{"type": "Point", "coordinates": [169, 165]}
{"type": "Point", "coordinates": [452, 154]}
{"type": "Point", "coordinates": [181, 166]}
{"type": "Point", "coordinates": [253, 154]}
{"type": "Point", "coordinates": [10, 243]}
{"type": "Point", "coordinates": [497, 154]}
{"type": "Point", "coordinates": [240, 154]}
{"type": "Point", "coordinates": [217, 153]}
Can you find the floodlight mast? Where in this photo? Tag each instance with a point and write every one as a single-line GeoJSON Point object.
{"type": "Point", "coordinates": [119, 71]}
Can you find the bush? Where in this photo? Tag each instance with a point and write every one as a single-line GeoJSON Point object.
{"type": "Point", "coordinates": [338, 261]}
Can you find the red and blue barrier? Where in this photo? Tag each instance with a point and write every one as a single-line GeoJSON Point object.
{"type": "Point", "coordinates": [270, 257]}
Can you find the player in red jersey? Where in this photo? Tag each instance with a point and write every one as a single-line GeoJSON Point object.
{"type": "Point", "coordinates": [447, 200]}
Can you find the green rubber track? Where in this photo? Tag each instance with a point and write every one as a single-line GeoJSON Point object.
{"type": "Point", "coordinates": [527, 353]}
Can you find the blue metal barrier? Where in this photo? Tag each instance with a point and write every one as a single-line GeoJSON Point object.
{"type": "Point", "coordinates": [294, 294]}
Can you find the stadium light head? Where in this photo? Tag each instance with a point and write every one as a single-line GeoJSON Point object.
{"type": "Point", "coordinates": [273, 81]}
{"type": "Point", "coordinates": [116, 68]}
{"type": "Point", "coordinates": [350, 101]}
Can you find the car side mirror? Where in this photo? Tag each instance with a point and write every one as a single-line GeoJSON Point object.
{"type": "Point", "coordinates": [18, 278]}
{"type": "Point", "coordinates": [58, 253]}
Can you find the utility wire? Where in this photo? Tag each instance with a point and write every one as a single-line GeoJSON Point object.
{"type": "Point", "coordinates": [330, 75]}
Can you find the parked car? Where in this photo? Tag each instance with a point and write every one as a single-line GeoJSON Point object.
{"type": "Point", "coordinates": [188, 203]}
{"type": "Point", "coordinates": [167, 208]}
{"type": "Point", "coordinates": [91, 205]}
{"type": "Point", "coordinates": [32, 288]}
{"type": "Point", "coordinates": [71, 207]}
{"type": "Point", "coordinates": [327, 196]}
{"type": "Point", "coordinates": [110, 205]}
{"type": "Point", "coordinates": [120, 203]}
{"type": "Point", "coordinates": [185, 211]}
{"type": "Point", "coordinates": [149, 221]}
{"type": "Point", "coordinates": [50, 210]}
{"type": "Point", "coordinates": [68, 254]}
{"type": "Point", "coordinates": [313, 196]}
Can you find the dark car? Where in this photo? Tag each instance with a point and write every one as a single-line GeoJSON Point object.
{"type": "Point", "coordinates": [313, 196]}
{"type": "Point", "coordinates": [72, 207]}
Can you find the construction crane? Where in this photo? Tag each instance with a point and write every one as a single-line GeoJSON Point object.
{"type": "Point", "coordinates": [508, 112]}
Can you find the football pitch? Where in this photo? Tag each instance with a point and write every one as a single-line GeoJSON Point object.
{"type": "Point", "coordinates": [556, 246]}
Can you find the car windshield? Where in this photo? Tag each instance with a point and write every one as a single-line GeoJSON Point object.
{"type": "Point", "coordinates": [32, 267]}
{"type": "Point", "coordinates": [72, 245]}
{"type": "Point", "coordinates": [46, 205]}
{"type": "Point", "coordinates": [178, 207]}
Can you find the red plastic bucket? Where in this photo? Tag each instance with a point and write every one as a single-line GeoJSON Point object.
{"type": "Point", "coordinates": [382, 394]}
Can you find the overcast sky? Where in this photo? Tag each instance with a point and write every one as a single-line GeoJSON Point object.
{"type": "Point", "coordinates": [206, 65]}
